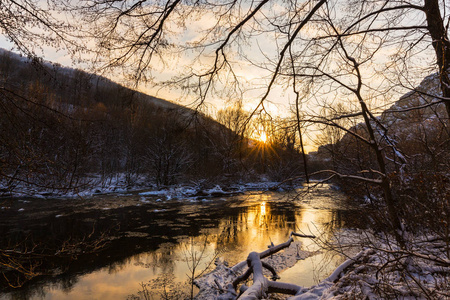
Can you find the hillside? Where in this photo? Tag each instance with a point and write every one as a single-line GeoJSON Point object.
{"type": "Point", "coordinates": [414, 140]}
{"type": "Point", "coordinates": [69, 85]}
{"type": "Point", "coordinates": [405, 109]}
{"type": "Point", "coordinates": [64, 129]}
{"type": "Point", "coordinates": [413, 120]}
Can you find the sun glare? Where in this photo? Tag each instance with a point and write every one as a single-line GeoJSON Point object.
{"type": "Point", "coordinates": [263, 137]}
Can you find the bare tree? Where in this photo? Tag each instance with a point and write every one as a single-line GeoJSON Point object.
{"type": "Point", "coordinates": [32, 25]}
{"type": "Point", "coordinates": [234, 136]}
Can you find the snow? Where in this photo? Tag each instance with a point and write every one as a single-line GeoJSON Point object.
{"type": "Point", "coordinates": [38, 196]}
{"type": "Point", "coordinates": [144, 200]}
{"type": "Point", "coordinates": [263, 185]}
{"type": "Point", "coordinates": [93, 185]}
{"type": "Point", "coordinates": [153, 193]}
{"type": "Point", "coordinates": [383, 270]}
{"type": "Point", "coordinates": [210, 285]}
{"type": "Point", "coordinates": [215, 190]}
{"type": "Point", "coordinates": [196, 193]}
{"type": "Point", "coordinates": [380, 270]}
{"type": "Point", "coordinates": [336, 274]}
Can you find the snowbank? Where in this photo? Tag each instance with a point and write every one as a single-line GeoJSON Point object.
{"type": "Point", "coordinates": [213, 285]}
{"type": "Point", "coordinates": [381, 270]}
{"type": "Point", "coordinates": [93, 185]}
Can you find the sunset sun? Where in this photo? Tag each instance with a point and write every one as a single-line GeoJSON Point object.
{"type": "Point", "coordinates": [263, 137]}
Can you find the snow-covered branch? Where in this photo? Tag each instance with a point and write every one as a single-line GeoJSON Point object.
{"type": "Point", "coordinates": [369, 180]}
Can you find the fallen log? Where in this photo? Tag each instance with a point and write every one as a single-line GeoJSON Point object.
{"type": "Point", "coordinates": [261, 285]}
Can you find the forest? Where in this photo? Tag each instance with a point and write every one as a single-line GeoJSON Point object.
{"type": "Point", "coordinates": [65, 130]}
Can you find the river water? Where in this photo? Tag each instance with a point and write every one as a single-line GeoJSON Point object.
{"type": "Point", "coordinates": [152, 240]}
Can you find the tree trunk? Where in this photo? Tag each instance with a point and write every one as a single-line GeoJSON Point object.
{"type": "Point", "coordinates": [441, 45]}
{"type": "Point", "coordinates": [385, 182]}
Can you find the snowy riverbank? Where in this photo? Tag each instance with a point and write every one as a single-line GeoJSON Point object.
{"type": "Point", "coordinates": [94, 186]}
{"type": "Point", "coordinates": [380, 270]}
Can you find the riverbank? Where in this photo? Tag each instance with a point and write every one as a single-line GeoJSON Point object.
{"type": "Point", "coordinates": [380, 270]}
{"type": "Point", "coordinates": [383, 270]}
{"type": "Point", "coordinates": [93, 186]}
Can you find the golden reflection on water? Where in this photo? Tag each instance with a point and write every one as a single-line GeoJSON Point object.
{"type": "Point", "coordinates": [260, 221]}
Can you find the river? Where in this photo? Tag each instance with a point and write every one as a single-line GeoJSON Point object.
{"type": "Point", "coordinates": [145, 239]}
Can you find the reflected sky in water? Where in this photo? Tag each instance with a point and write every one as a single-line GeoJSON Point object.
{"type": "Point", "coordinates": [232, 226]}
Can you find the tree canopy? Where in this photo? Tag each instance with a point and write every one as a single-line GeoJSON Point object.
{"type": "Point", "coordinates": [244, 49]}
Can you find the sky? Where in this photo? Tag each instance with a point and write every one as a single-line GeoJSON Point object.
{"type": "Point", "coordinates": [278, 105]}
{"type": "Point", "coordinates": [253, 62]}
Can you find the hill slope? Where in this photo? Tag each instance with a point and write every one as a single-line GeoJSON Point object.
{"type": "Point", "coordinates": [416, 124]}
{"type": "Point", "coordinates": [60, 127]}
{"type": "Point", "coordinates": [69, 85]}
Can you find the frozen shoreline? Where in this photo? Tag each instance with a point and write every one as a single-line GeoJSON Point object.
{"type": "Point", "coordinates": [380, 270]}
{"type": "Point", "coordinates": [94, 187]}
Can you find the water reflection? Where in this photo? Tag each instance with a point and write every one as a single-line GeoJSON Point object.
{"type": "Point", "coordinates": [175, 230]}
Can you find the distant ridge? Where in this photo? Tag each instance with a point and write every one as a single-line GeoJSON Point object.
{"type": "Point", "coordinates": [68, 73]}
{"type": "Point", "coordinates": [420, 107]}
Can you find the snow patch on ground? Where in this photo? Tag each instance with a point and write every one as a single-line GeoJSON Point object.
{"type": "Point", "coordinates": [94, 185]}
{"type": "Point", "coordinates": [378, 270]}
{"type": "Point", "coordinates": [144, 200]}
{"type": "Point", "coordinates": [215, 190]}
{"type": "Point", "coordinates": [382, 270]}
{"type": "Point", "coordinates": [153, 193]}
{"type": "Point", "coordinates": [214, 284]}
{"type": "Point", "coordinates": [89, 186]}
